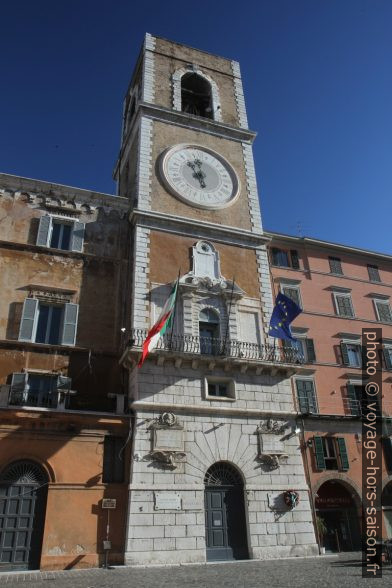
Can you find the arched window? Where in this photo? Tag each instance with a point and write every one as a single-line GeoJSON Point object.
{"type": "Point", "coordinates": [209, 331]}
{"type": "Point", "coordinates": [196, 95]}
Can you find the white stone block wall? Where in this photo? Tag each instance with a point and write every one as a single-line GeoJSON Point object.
{"type": "Point", "coordinates": [179, 536]}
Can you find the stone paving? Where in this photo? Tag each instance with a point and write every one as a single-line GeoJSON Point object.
{"type": "Point", "coordinates": [342, 571]}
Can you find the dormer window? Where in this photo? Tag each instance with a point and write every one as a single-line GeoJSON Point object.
{"type": "Point", "coordinates": [196, 95]}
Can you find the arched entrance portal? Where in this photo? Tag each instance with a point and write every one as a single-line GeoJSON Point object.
{"type": "Point", "coordinates": [338, 511]}
{"type": "Point", "coordinates": [225, 513]}
{"type": "Point", "coordinates": [23, 493]}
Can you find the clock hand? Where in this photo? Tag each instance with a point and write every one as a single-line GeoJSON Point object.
{"type": "Point", "coordinates": [198, 174]}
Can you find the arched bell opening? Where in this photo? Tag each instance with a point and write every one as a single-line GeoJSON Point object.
{"type": "Point", "coordinates": [226, 536]}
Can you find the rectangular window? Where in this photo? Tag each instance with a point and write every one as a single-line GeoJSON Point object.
{"type": "Point", "coordinates": [374, 274]}
{"type": "Point", "coordinates": [293, 292]}
{"type": "Point", "coordinates": [113, 460]}
{"type": "Point", "coordinates": [383, 311]}
{"type": "Point", "coordinates": [331, 453]}
{"type": "Point", "coordinates": [353, 404]}
{"type": "Point", "coordinates": [59, 233]}
{"type": "Point", "coordinates": [387, 352]}
{"type": "Point", "coordinates": [220, 389]}
{"type": "Point", "coordinates": [335, 266]}
{"type": "Point", "coordinates": [304, 347]}
{"type": "Point", "coordinates": [351, 354]}
{"type": "Point", "coordinates": [344, 305]}
{"type": "Point", "coordinates": [39, 390]}
{"type": "Point", "coordinates": [48, 323]}
{"type": "Point", "coordinates": [306, 396]}
{"type": "Point", "coordinates": [280, 257]}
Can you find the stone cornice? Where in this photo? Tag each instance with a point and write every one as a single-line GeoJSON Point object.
{"type": "Point", "coordinates": [59, 197]}
{"type": "Point", "coordinates": [199, 229]}
{"type": "Point", "coordinates": [218, 410]}
{"type": "Point", "coordinates": [188, 121]}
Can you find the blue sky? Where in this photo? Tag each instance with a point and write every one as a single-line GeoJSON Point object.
{"type": "Point", "coordinates": [318, 86]}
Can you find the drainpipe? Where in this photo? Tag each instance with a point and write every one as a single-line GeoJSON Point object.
{"type": "Point", "coordinates": [307, 472]}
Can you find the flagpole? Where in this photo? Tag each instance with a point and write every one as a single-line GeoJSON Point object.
{"type": "Point", "coordinates": [228, 315]}
{"type": "Point", "coordinates": [174, 310]}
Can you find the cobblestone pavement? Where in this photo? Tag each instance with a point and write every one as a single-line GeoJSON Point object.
{"type": "Point", "coordinates": [343, 571]}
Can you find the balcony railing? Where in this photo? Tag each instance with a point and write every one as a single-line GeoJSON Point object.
{"type": "Point", "coordinates": [17, 396]}
{"type": "Point", "coordinates": [224, 348]}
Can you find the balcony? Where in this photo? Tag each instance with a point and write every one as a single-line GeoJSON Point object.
{"type": "Point", "coordinates": [15, 396]}
{"type": "Point", "coordinates": [216, 350]}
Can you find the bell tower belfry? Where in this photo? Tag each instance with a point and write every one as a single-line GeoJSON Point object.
{"type": "Point", "coordinates": [213, 396]}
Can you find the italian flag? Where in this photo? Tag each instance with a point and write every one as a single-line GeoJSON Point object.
{"type": "Point", "coordinates": [160, 326]}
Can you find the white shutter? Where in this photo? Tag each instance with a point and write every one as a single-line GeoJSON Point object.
{"type": "Point", "coordinates": [77, 236]}
{"type": "Point", "coordinates": [27, 322]}
{"type": "Point", "coordinates": [70, 322]}
{"type": "Point", "coordinates": [44, 230]}
{"type": "Point", "coordinates": [249, 327]}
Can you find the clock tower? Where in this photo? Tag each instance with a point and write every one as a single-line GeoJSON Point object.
{"type": "Point", "coordinates": [214, 449]}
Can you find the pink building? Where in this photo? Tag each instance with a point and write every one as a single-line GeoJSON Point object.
{"type": "Point", "coordinates": [341, 290]}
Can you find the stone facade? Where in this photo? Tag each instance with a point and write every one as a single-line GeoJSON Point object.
{"type": "Point", "coordinates": [167, 510]}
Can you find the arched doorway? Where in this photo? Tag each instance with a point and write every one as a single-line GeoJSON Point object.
{"type": "Point", "coordinates": [386, 502]}
{"type": "Point", "coordinates": [338, 511]}
{"type": "Point", "coordinates": [226, 536]}
{"type": "Point", "coordinates": [23, 493]}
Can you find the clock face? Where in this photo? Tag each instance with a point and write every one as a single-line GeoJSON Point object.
{"type": "Point", "coordinates": [199, 176]}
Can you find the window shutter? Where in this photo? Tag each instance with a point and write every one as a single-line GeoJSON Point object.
{"type": "Point", "coordinates": [4, 395]}
{"type": "Point", "coordinates": [26, 330]}
{"type": "Point", "coordinates": [335, 265]}
{"type": "Point", "coordinates": [374, 275]}
{"type": "Point", "coordinates": [70, 324]}
{"type": "Point", "coordinates": [387, 444]}
{"type": "Point", "coordinates": [275, 253]}
{"type": "Point", "coordinates": [387, 358]}
{"type": "Point", "coordinates": [345, 358]}
{"type": "Point", "coordinates": [384, 312]}
{"type": "Point", "coordinates": [310, 350]}
{"type": "Point", "coordinates": [294, 259]}
{"type": "Point", "coordinates": [353, 401]}
{"type": "Point", "coordinates": [77, 236]}
{"type": "Point", "coordinates": [18, 386]}
{"type": "Point", "coordinates": [319, 453]}
{"type": "Point", "coordinates": [43, 230]}
{"type": "Point", "coordinates": [306, 396]}
{"type": "Point", "coordinates": [63, 383]}
{"type": "Point", "coordinates": [343, 453]}
{"type": "Point", "coordinates": [113, 463]}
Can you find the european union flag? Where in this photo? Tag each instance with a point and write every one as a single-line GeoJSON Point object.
{"type": "Point", "coordinates": [283, 314]}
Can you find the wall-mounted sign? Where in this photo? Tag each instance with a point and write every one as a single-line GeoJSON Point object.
{"type": "Point", "coordinates": [109, 502]}
{"type": "Point", "coordinates": [167, 501]}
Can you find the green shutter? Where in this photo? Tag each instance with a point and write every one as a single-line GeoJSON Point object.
{"type": "Point", "coordinates": [388, 358]}
{"type": "Point", "coordinates": [343, 453]}
{"type": "Point", "coordinates": [113, 460]}
{"type": "Point", "coordinates": [345, 358]}
{"type": "Point", "coordinates": [319, 453]}
{"type": "Point", "coordinates": [353, 404]}
{"type": "Point", "coordinates": [27, 323]}
{"type": "Point", "coordinates": [387, 444]}
{"type": "Point", "coordinates": [310, 350]}
{"type": "Point", "coordinates": [294, 259]}
{"type": "Point", "coordinates": [306, 396]}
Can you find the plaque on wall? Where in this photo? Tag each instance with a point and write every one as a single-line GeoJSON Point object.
{"type": "Point", "coordinates": [168, 440]}
{"type": "Point", "coordinates": [271, 444]}
{"type": "Point", "coordinates": [167, 501]}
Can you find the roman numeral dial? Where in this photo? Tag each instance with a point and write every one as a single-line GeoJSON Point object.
{"type": "Point", "coordinates": [199, 176]}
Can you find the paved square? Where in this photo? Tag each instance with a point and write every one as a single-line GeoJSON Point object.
{"type": "Point", "coordinates": [343, 571]}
